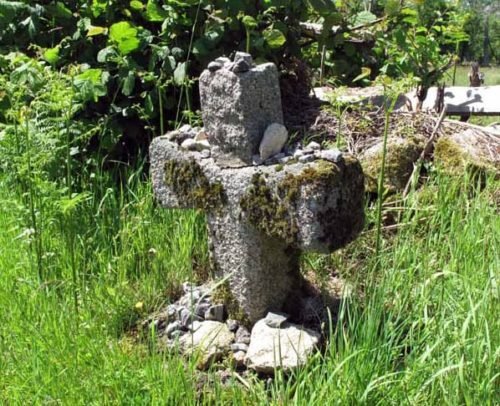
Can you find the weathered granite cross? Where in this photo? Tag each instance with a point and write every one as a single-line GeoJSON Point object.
{"type": "Point", "coordinates": [259, 217]}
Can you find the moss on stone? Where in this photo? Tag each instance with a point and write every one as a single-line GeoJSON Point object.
{"type": "Point", "coordinates": [268, 211]}
{"type": "Point", "coordinates": [273, 210]}
{"type": "Point", "coordinates": [191, 186]}
{"type": "Point", "coordinates": [223, 295]}
{"type": "Point", "coordinates": [449, 155]}
{"type": "Point", "coordinates": [400, 157]}
{"type": "Point", "coordinates": [343, 223]}
{"type": "Point", "coordinates": [454, 159]}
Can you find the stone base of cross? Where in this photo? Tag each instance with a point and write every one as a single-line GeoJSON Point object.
{"type": "Point", "coordinates": [260, 217]}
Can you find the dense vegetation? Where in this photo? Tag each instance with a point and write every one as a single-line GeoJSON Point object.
{"type": "Point", "coordinates": [85, 253]}
{"type": "Point", "coordinates": [134, 64]}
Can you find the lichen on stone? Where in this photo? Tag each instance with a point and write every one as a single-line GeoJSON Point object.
{"type": "Point", "coordinates": [268, 211]}
{"type": "Point", "coordinates": [452, 158]}
{"type": "Point", "coordinates": [191, 186]}
{"type": "Point", "coordinates": [400, 157]}
{"type": "Point", "coordinates": [342, 223]}
{"type": "Point", "coordinates": [273, 210]}
{"type": "Point", "coordinates": [222, 295]}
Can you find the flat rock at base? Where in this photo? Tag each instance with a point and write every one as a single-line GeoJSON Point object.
{"type": "Point", "coordinates": [211, 340]}
{"type": "Point", "coordinates": [284, 348]}
{"type": "Point", "coordinates": [273, 141]}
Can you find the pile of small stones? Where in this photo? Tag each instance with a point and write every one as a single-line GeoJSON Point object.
{"type": "Point", "coordinates": [272, 149]}
{"type": "Point", "coordinates": [191, 139]}
{"type": "Point", "coordinates": [189, 313]}
{"type": "Point", "coordinates": [195, 324]}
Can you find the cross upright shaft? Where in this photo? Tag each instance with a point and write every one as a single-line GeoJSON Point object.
{"type": "Point", "coordinates": [259, 217]}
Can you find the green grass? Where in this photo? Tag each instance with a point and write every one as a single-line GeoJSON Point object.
{"type": "Point", "coordinates": [425, 330]}
{"type": "Point", "coordinates": [87, 254]}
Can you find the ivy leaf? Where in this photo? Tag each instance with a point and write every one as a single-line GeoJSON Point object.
{"type": "Point", "coordinates": [51, 55]}
{"type": "Point", "coordinates": [59, 10]}
{"type": "Point", "coordinates": [180, 74]}
{"type": "Point", "coordinates": [154, 12]}
{"type": "Point", "coordinates": [98, 7]}
{"type": "Point", "coordinates": [274, 38]}
{"type": "Point", "coordinates": [124, 35]}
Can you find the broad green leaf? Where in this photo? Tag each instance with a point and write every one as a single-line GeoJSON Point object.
{"type": "Point", "coordinates": [51, 55]}
{"type": "Point", "coordinates": [59, 10]}
{"type": "Point", "coordinates": [364, 17]}
{"type": "Point", "coordinates": [94, 30]}
{"type": "Point", "coordinates": [124, 35]}
{"type": "Point", "coordinates": [180, 74]}
{"type": "Point", "coordinates": [200, 47]}
{"type": "Point", "coordinates": [249, 22]}
{"type": "Point", "coordinates": [154, 12]}
{"type": "Point", "coordinates": [91, 84]}
{"type": "Point", "coordinates": [274, 38]}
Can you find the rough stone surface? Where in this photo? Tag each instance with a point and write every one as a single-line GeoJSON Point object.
{"type": "Point", "coordinates": [174, 326]}
{"type": "Point", "coordinates": [262, 217]}
{"type": "Point", "coordinates": [402, 153]}
{"type": "Point", "coordinates": [275, 320]}
{"type": "Point", "coordinates": [259, 217]}
{"type": "Point", "coordinates": [284, 348]}
{"type": "Point", "coordinates": [274, 140]}
{"type": "Point", "coordinates": [468, 150]}
{"type": "Point", "coordinates": [332, 155]}
{"type": "Point", "coordinates": [211, 341]}
{"type": "Point", "coordinates": [240, 66]}
{"type": "Point", "coordinates": [188, 144]}
{"type": "Point", "coordinates": [214, 66]}
{"type": "Point", "coordinates": [215, 312]}
{"type": "Point", "coordinates": [239, 359]}
{"type": "Point", "coordinates": [312, 146]}
{"type": "Point", "coordinates": [232, 325]}
{"type": "Point", "coordinates": [239, 347]}
{"type": "Point", "coordinates": [237, 108]}
{"type": "Point", "coordinates": [245, 57]}
{"type": "Point", "coordinates": [242, 335]}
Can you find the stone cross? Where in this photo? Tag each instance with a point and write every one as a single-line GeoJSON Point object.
{"type": "Point", "coordinates": [260, 217]}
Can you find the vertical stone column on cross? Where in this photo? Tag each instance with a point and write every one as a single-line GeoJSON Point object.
{"type": "Point", "coordinates": [259, 218]}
